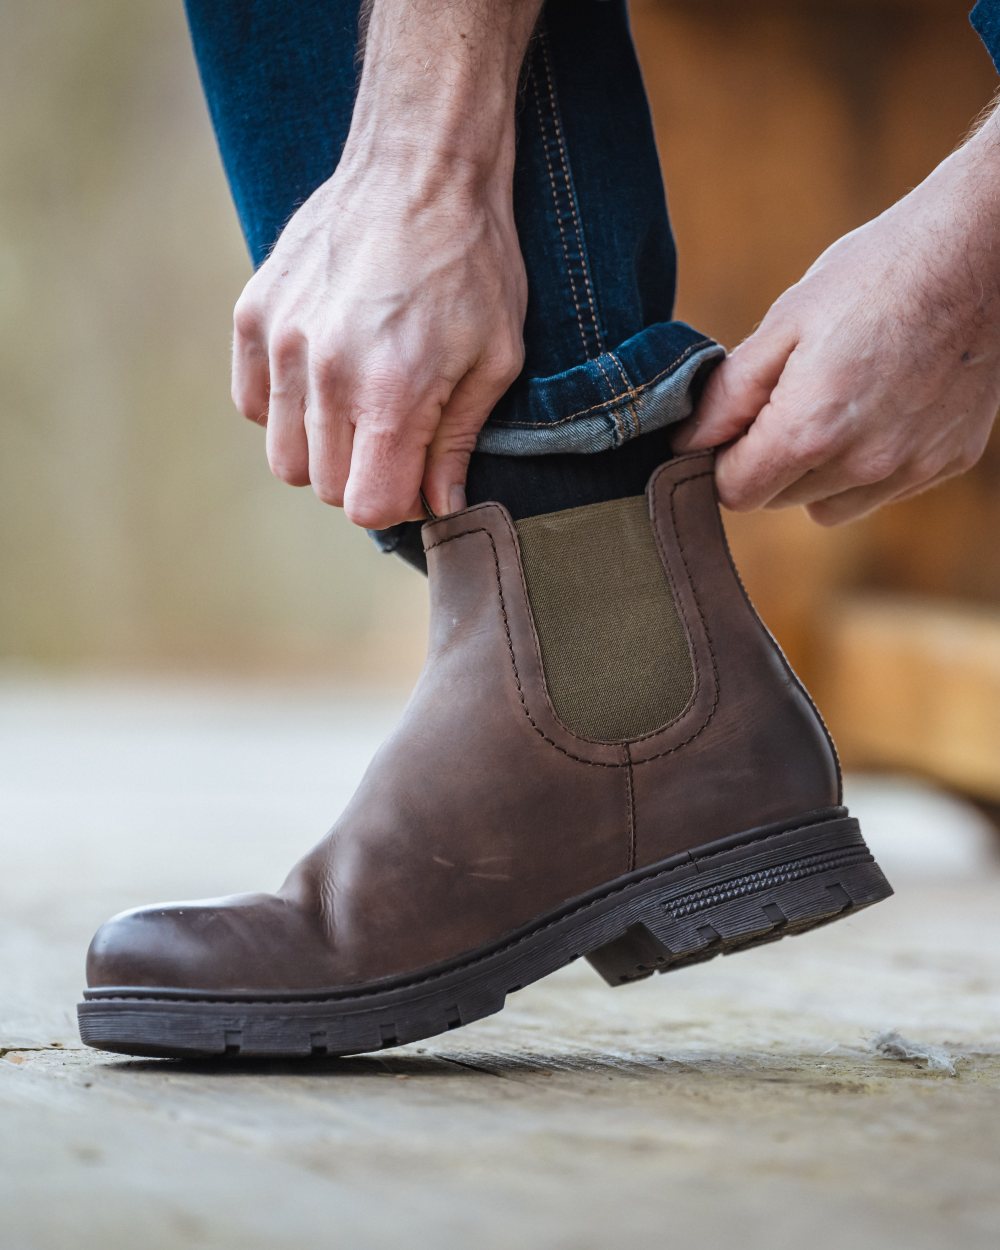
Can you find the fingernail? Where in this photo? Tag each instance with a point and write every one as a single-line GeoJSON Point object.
{"type": "Point", "coordinates": [456, 499]}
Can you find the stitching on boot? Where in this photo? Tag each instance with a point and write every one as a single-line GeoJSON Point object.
{"type": "Point", "coordinates": [630, 791]}
{"type": "Point", "coordinates": [517, 677]}
{"type": "Point", "coordinates": [423, 979]}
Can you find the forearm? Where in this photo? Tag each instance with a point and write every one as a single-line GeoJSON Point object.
{"type": "Point", "coordinates": [967, 184]}
{"type": "Point", "coordinates": [976, 202]}
{"type": "Point", "coordinates": [439, 83]}
{"type": "Point", "coordinates": [388, 319]}
{"type": "Point", "coordinates": [945, 235]}
{"type": "Point", "coordinates": [950, 226]}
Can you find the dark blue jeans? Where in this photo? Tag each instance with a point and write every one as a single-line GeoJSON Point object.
{"type": "Point", "coordinates": [604, 359]}
{"type": "Point", "coordinates": [986, 21]}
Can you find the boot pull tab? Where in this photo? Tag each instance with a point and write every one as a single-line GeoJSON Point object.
{"type": "Point", "coordinates": [431, 514]}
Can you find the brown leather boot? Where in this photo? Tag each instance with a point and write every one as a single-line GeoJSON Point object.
{"type": "Point", "coordinates": [606, 755]}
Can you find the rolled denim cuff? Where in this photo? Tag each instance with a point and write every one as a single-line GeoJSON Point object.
{"type": "Point", "coordinates": [649, 381]}
{"type": "Point", "coordinates": [985, 19]}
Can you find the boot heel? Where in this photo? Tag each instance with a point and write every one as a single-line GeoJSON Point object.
{"type": "Point", "coordinates": [743, 896]}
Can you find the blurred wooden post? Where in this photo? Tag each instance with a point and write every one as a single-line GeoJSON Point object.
{"type": "Point", "coordinates": [781, 126]}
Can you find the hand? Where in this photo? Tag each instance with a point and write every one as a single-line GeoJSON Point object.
{"type": "Point", "coordinates": [878, 374]}
{"type": "Point", "coordinates": [388, 320]}
{"type": "Point", "coordinates": [378, 335]}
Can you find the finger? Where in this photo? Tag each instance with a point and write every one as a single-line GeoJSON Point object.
{"type": "Point", "coordinates": [833, 478]}
{"type": "Point", "coordinates": [287, 449]}
{"type": "Point", "coordinates": [765, 461]}
{"type": "Point", "coordinates": [737, 390]}
{"type": "Point", "coordinates": [287, 446]}
{"type": "Point", "coordinates": [447, 463]}
{"type": "Point", "coordinates": [331, 442]}
{"type": "Point", "coordinates": [943, 476]}
{"type": "Point", "coordinates": [250, 378]}
{"type": "Point", "coordinates": [859, 501]}
{"type": "Point", "coordinates": [462, 417]}
{"type": "Point", "coordinates": [387, 466]}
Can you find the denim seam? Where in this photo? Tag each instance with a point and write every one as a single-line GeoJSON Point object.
{"type": "Point", "coordinates": [571, 189]}
{"type": "Point", "coordinates": [629, 408]}
{"type": "Point", "coordinates": [559, 223]}
{"type": "Point", "coordinates": [614, 395]}
{"type": "Point", "coordinates": [617, 400]}
{"type": "Point", "coordinates": [560, 206]}
{"type": "Point", "coordinates": [621, 370]}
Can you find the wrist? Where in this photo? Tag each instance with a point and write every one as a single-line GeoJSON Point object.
{"type": "Point", "coordinates": [439, 85]}
{"type": "Point", "coordinates": [956, 212]}
{"type": "Point", "coordinates": [436, 148]}
{"type": "Point", "coordinates": [973, 174]}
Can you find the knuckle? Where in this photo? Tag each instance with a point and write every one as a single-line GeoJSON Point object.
{"type": "Point", "coordinates": [456, 441]}
{"type": "Point", "coordinates": [735, 493]}
{"type": "Point", "coordinates": [381, 423]}
{"type": "Point", "coordinates": [874, 465]}
{"type": "Point", "coordinates": [368, 515]}
{"type": "Point", "coordinates": [504, 367]}
{"type": "Point", "coordinates": [248, 405]}
{"type": "Point", "coordinates": [315, 420]}
{"type": "Point", "coordinates": [329, 493]}
{"type": "Point", "coordinates": [288, 471]}
{"type": "Point", "coordinates": [735, 500]}
{"type": "Point", "coordinates": [247, 319]}
{"type": "Point", "coordinates": [927, 466]}
{"type": "Point", "coordinates": [286, 348]}
{"type": "Point", "coordinates": [324, 367]}
{"type": "Point", "coordinates": [814, 444]}
{"type": "Point", "coordinates": [372, 504]}
{"type": "Point", "coordinates": [321, 425]}
{"type": "Point", "coordinates": [727, 383]}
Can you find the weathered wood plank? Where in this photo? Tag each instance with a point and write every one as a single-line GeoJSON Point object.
{"type": "Point", "coordinates": [738, 1102]}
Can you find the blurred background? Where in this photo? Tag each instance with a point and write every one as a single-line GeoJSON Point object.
{"type": "Point", "coordinates": [196, 663]}
{"type": "Point", "coordinates": [783, 125]}
{"type": "Point", "coordinates": [143, 532]}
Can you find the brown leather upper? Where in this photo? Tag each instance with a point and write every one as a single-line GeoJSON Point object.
{"type": "Point", "coordinates": [482, 812]}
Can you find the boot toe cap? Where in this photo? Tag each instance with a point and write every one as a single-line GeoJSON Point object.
{"type": "Point", "coordinates": [244, 943]}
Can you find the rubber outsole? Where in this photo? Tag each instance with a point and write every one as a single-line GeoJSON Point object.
{"type": "Point", "coordinates": [725, 897]}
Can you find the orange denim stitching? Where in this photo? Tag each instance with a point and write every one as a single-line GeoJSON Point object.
{"type": "Point", "coordinates": [614, 416]}
{"type": "Point", "coordinates": [629, 408]}
{"type": "Point", "coordinates": [605, 403]}
{"type": "Point", "coordinates": [558, 213]}
{"type": "Point", "coordinates": [571, 194]}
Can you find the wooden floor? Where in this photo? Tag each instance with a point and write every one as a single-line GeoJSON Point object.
{"type": "Point", "coordinates": [743, 1102]}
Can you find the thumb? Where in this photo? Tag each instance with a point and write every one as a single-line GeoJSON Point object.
{"type": "Point", "coordinates": [447, 464]}
{"type": "Point", "coordinates": [737, 389]}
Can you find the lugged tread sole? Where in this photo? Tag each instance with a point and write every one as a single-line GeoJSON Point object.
{"type": "Point", "coordinates": [727, 896]}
